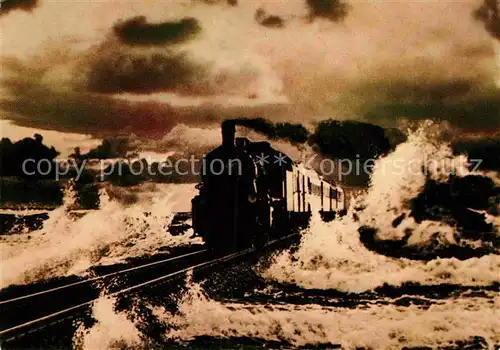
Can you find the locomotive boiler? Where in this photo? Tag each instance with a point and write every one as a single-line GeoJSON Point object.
{"type": "Point", "coordinates": [250, 193]}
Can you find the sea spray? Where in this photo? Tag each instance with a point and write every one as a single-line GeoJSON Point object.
{"type": "Point", "coordinates": [384, 326]}
{"type": "Point", "coordinates": [111, 330]}
{"type": "Point", "coordinates": [115, 329]}
{"type": "Point", "coordinates": [331, 255]}
{"type": "Point", "coordinates": [199, 318]}
{"type": "Point", "coordinates": [70, 244]}
{"type": "Point", "coordinates": [329, 259]}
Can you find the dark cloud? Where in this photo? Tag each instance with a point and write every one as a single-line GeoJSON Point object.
{"type": "Point", "coordinates": [88, 113]}
{"type": "Point", "coordinates": [489, 14]}
{"type": "Point", "coordinates": [137, 31]}
{"type": "Point", "coordinates": [334, 10]}
{"type": "Point", "coordinates": [118, 71]}
{"type": "Point", "coordinates": [117, 67]}
{"type": "Point", "coordinates": [109, 148]}
{"type": "Point", "coordinates": [437, 92]}
{"type": "Point", "coordinates": [33, 103]}
{"type": "Point", "coordinates": [9, 5]}
{"type": "Point", "coordinates": [466, 105]}
{"type": "Point", "coordinates": [270, 21]}
{"type": "Point", "coordinates": [480, 115]}
{"type": "Point", "coordinates": [484, 149]}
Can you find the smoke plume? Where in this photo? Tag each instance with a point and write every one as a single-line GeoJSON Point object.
{"type": "Point", "coordinates": [295, 133]}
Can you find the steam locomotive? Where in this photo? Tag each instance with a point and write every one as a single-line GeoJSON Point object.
{"type": "Point", "coordinates": [250, 193]}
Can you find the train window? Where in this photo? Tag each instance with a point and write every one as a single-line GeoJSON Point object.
{"type": "Point", "coordinates": [303, 193]}
{"type": "Point", "coordinates": [298, 193]}
{"type": "Point", "coordinates": [331, 196]}
{"type": "Point", "coordinates": [321, 195]}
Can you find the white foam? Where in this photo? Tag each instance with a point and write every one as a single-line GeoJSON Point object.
{"type": "Point", "coordinates": [374, 326]}
{"type": "Point", "coordinates": [70, 245]}
{"type": "Point", "coordinates": [331, 255]}
{"type": "Point", "coordinates": [379, 327]}
{"type": "Point", "coordinates": [113, 330]}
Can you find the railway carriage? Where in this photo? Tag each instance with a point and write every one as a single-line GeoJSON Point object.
{"type": "Point", "coordinates": [305, 185]}
{"type": "Point", "coordinates": [250, 193]}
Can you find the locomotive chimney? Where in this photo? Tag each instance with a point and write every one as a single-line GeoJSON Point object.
{"type": "Point", "coordinates": [228, 133]}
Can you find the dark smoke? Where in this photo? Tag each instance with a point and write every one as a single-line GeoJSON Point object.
{"type": "Point", "coordinates": [137, 31]}
{"type": "Point", "coordinates": [334, 139]}
{"type": "Point", "coordinates": [350, 139]}
{"type": "Point", "coordinates": [489, 14]}
{"type": "Point", "coordinates": [295, 133]}
{"type": "Point", "coordinates": [333, 10]}
{"type": "Point", "coordinates": [9, 5]}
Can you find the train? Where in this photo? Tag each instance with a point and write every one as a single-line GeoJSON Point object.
{"type": "Point", "coordinates": [250, 193]}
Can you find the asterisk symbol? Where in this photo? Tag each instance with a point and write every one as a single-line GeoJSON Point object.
{"type": "Point", "coordinates": [280, 159]}
{"type": "Point", "coordinates": [262, 159]}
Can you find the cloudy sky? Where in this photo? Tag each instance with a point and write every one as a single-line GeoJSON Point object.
{"type": "Point", "coordinates": [107, 68]}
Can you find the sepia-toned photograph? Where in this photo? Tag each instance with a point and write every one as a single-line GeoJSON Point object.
{"type": "Point", "coordinates": [250, 174]}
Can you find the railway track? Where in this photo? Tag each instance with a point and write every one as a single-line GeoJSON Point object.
{"type": "Point", "coordinates": [28, 310]}
{"type": "Point", "coordinates": [25, 314]}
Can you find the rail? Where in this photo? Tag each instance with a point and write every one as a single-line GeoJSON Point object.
{"type": "Point", "coordinates": [7, 331]}
{"type": "Point", "coordinates": [135, 268]}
